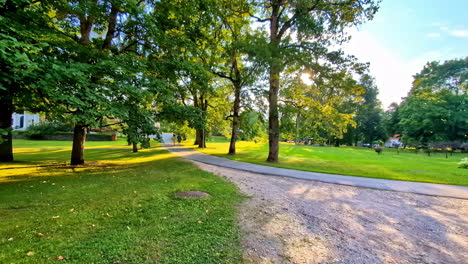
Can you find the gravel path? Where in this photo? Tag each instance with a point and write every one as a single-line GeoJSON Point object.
{"type": "Point", "coordinates": [287, 220]}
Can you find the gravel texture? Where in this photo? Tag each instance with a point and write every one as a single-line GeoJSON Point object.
{"type": "Point", "coordinates": [287, 220]}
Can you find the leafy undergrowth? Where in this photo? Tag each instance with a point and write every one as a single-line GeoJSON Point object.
{"type": "Point", "coordinates": [118, 210]}
{"type": "Point", "coordinates": [361, 162]}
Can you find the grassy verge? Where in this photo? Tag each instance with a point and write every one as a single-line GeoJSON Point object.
{"type": "Point", "coordinates": [120, 208]}
{"type": "Point", "coordinates": [361, 162]}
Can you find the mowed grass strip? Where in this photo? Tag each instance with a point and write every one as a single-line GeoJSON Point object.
{"type": "Point", "coordinates": [120, 208]}
{"type": "Point", "coordinates": [121, 142]}
{"type": "Point", "coordinates": [363, 162]}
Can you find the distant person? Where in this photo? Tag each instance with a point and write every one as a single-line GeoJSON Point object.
{"type": "Point", "coordinates": [179, 138]}
{"type": "Point", "coordinates": [174, 138]}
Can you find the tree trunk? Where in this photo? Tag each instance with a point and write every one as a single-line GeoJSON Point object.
{"type": "Point", "coordinates": [135, 147]}
{"type": "Point", "coordinates": [6, 146]}
{"type": "Point", "coordinates": [337, 142]}
{"type": "Point", "coordinates": [235, 120]}
{"type": "Point", "coordinates": [296, 137]}
{"type": "Point", "coordinates": [273, 116]}
{"type": "Point", "coordinates": [201, 138]}
{"type": "Point", "coordinates": [79, 138]}
{"type": "Point", "coordinates": [275, 69]}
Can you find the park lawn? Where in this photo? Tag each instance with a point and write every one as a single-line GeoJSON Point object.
{"type": "Point", "coordinates": [353, 161]}
{"type": "Point", "coordinates": [121, 142]}
{"type": "Point", "coordinates": [119, 208]}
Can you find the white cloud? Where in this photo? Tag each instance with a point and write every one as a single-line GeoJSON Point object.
{"type": "Point", "coordinates": [462, 33]}
{"type": "Point", "coordinates": [444, 28]}
{"type": "Point", "coordinates": [433, 35]}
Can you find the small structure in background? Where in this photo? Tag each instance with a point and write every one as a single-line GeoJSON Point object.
{"type": "Point", "coordinates": [394, 142]}
{"type": "Point", "coordinates": [21, 121]}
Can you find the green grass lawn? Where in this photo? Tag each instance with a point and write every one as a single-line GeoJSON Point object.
{"type": "Point", "coordinates": [121, 142]}
{"type": "Point", "coordinates": [362, 162]}
{"type": "Point", "coordinates": [119, 208]}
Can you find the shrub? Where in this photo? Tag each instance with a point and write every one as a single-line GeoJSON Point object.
{"type": "Point", "coordinates": [40, 130]}
{"type": "Point", "coordinates": [463, 163]}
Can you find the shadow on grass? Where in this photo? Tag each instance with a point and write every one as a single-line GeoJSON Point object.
{"type": "Point", "coordinates": [120, 210]}
{"type": "Point", "coordinates": [48, 162]}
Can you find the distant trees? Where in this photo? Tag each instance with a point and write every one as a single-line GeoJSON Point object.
{"type": "Point", "coordinates": [436, 108]}
{"type": "Point", "coordinates": [368, 115]}
{"type": "Point", "coordinates": [319, 109]}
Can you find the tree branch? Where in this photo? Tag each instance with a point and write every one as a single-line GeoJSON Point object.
{"type": "Point", "coordinates": [222, 75]}
{"type": "Point", "coordinates": [118, 123]}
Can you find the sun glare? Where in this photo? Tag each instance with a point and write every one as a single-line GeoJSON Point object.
{"type": "Point", "coordinates": [306, 78]}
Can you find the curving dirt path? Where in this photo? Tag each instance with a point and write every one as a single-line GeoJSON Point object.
{"type": "Point", "coordinates": [287, 220]}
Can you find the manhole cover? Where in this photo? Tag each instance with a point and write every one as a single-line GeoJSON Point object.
{"type": "Point", "coordinates": [192, 194]}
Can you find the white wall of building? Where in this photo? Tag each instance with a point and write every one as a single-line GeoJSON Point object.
{"type": "Point", "coordinates": [21, 121]}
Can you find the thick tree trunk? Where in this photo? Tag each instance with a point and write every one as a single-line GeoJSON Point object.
{"type": "Point", "coordinates": [135, 147]}
{"type": "Point", "coordinates": [79, 138]}
{"type": "Point", "coordinates": [235, 120]}
{"type": "Point", "coordinates": [273, 116]}
{"type": "Point", "coordinates": [275, 69]}
{"type": "Point", "coordinates": [201, 138]}
{"type": "Point", "coordinates": [6, 147]}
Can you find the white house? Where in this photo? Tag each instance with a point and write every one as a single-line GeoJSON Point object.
{"type": "Point", "coordinates": [394, 142]}
{"type": "Point", "coordinates": [21, 121]}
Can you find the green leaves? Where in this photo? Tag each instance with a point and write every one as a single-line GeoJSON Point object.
{"type": "Point", "coordinates": [437, 106]}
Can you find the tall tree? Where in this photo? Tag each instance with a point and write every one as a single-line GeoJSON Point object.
{"type": "Point", "coordinates": [316, 109]}
{"type": "Point", "coordinates": [436, 108]}
{"type": "Point", "coordinates": [86, 65]}
{"type": "Point", "coordinates": [295, 26]}
{"type": "Point", "coordinates": [369, 113]}
{"type": "Point", "coordinates": [189, 46]}
{"type": "Point", "coordinates": [22, 34]}
{"type": "Point", "coordinates": [232, 63]}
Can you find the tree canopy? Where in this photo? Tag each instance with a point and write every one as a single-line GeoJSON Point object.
{"type": "Point", "coordinates": [215, 66]}
{"type": "Point", "coordinates": [436, 108]}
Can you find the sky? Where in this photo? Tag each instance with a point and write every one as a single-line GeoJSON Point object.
{"type": "Point", "coordinates": [406, 34]}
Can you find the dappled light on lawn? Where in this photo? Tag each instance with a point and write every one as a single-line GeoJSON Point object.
{"type": "Point", "coordinates": [118, 207]}
{"type": "Point", "coordinates": [29, 165]}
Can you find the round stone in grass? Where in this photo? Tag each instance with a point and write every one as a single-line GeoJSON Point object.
{"type": "Point", "coordinates": [192, 194]}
